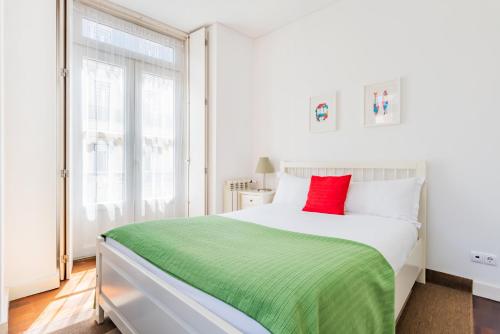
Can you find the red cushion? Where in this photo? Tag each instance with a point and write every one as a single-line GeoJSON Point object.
{"type": "Point", "coordinates": [327, 194]}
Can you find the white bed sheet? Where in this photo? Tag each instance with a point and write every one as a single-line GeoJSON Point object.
{"type": "Point", "coordinates": [394, 239]}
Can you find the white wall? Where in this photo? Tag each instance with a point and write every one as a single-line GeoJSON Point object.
{"type": "Point", "coordinates": [30, 146]}
{"type": "Point", "coordinates": [230, 136]}
{"type": "Point", "coordinates": [448, 55]}
{"type": "Point", "coordinates": [3, 292]}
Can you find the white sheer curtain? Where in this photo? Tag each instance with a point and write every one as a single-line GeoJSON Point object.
{"type": "Point", "coordinates": [127, 126]}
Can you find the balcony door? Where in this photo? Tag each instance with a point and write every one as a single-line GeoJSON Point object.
{"type": "Point", "coordinates": [127, 126]}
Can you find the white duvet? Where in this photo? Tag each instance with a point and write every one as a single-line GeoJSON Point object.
{"type": "Point", "coordinates": [394, 239]}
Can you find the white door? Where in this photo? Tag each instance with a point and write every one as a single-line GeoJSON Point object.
{"type": "Point", "coordinates": [101, 141]}
{"type": "Point", "coordinates": [159, 148]}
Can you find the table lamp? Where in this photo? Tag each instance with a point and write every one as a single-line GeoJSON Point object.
{"type": "Point", "coordinates": [264, 167]}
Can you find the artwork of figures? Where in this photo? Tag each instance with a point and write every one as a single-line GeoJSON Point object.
{"type": "Point", "coordinates": [382, 103]}
{"type": "Point", "coordinates": [322, 114]}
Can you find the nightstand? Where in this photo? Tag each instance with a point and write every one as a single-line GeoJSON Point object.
{"type": "Point", "coordinates": [252, 198]}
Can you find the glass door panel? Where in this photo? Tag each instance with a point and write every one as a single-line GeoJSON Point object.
{"type": "Point", "coordinates": [100, 143]}
{"type": "Point", "coordinates": [103, 106]}
{"type": "Point", "coordinates": [156, 141]}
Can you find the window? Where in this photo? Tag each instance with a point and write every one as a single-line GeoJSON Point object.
{"type": "Point", "coordinates": [127, 125]}
{"type": "Point", "coordinates": [157, 141]}
{"type": "Point", "coordinates": [115, 37]}
{"type": "Point", "coordinates": [102, 93]}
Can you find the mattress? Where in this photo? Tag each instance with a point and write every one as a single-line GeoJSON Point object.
{"type": "Point", "coordinates": [394, 239]}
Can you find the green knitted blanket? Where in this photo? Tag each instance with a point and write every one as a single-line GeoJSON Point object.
{"type": "Point", "coordinates": [288, 282]}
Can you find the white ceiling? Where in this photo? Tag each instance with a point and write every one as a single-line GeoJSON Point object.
{"type": "Point", "coordinates": [253, 18]}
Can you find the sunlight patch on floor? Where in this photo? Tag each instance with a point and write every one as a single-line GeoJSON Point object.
{"type": "Point", "coordinates": [72, 304]}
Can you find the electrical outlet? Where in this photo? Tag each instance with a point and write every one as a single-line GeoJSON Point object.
{"type": "Point", "coordinates": [483, 258]}
{"type": "Point", "coordinates": [476, 257]}
{"type": "Point", "coordinates": [490, 259]}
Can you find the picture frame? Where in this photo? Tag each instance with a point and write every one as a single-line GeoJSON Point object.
{"type": "Point", "coordinates": [382, 103]}
{"type": "Point", "coordinates": [323, 113]}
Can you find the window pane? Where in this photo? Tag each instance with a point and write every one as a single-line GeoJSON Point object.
{"type": "Point", "coordinates": [157, 106]}
{"type": "Point", "coordinates": [103, 106]}
{"type": "Point", "coordinates": [103, 96]}
{"type": "Point", "coordinates": [106, 34]}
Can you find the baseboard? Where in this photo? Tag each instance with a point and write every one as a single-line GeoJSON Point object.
{"type": "Point", "coordinates": [451, 281]}
{"type": "Point", "coordinates": [4, 316]}
{"type": "Point", "coordinates": [34, 287]}
{"type": "Point", "coordinates": [4, 328]}
{"type": "Point", "coordinates": [486, 290]}
{"type": "Point", "coordinates": [84, 259]}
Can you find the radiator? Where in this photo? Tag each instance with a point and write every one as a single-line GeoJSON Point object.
{"type": "Point", "coordinates": [231, 189]}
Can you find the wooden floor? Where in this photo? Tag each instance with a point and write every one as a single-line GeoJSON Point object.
{"type": "Point", "coordinates": [53, 310]}
{"type": "Point", "coordinates": [486, 316]}
{"type": "Point", "coordinates": [61, 310]}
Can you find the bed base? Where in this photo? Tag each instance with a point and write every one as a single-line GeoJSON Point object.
{"type": "Point", "coordinates": [137, 301]}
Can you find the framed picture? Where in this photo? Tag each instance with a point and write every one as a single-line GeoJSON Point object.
{"type": "Point", "coordinates": [322, 113]}
{"type": "Point", "coordinates": [382, 104]}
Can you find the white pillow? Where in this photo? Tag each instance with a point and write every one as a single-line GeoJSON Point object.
{"type": "Point", "coordinates": [292, 190]}
{"type": "Point", "coordinates": [394, 199]}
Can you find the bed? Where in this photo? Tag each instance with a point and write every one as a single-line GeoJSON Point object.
{"type": "Point", "coordinates": [141, 298]}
